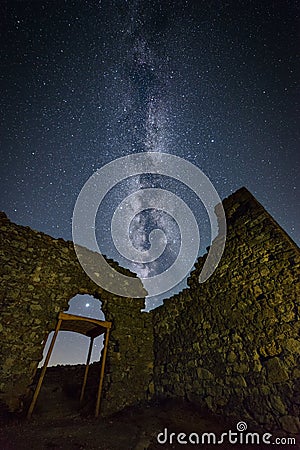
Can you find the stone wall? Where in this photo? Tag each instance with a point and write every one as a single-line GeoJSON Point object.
{"type": "Point", "coordinates": [233, 342]}
{"type": "Point", "coordinates": [39, 276]}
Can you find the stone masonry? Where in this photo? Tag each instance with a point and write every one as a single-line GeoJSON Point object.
{"type": "Point", "coordinates": [39, 276]}
{"type": "Point", "coordinates": [231, 344]}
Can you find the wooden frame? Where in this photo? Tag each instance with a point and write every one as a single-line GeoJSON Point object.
{"type": "Point", "coordinates": [89, 327]}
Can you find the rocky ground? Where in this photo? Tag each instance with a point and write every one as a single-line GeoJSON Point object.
{"type": "Point", "coordinates": [59, 423]}
{"type": "Point", "coordinates": [135, 428]}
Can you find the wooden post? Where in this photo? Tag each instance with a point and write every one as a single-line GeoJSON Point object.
{"type": "Point", "coordinates": [86, 369]}
{"type": "Point", "coordinates": [37, 390]}
{"type": "Point", "coordinates": [102, 373]}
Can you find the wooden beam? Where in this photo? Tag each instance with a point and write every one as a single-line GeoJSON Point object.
{"type": "Point", "coordinates": [37, 390]}
{"type": "Point", "coordinates": [67, 316]}
{"type": "Point", "coordinates": [102, 373]}
{"type": "Point", "coordinates": [86, 369]}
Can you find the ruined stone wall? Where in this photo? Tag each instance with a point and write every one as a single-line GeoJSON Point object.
{"type": "Point", "coordinates": [129, 366]}
{"type": "Point", "coordinates": [233, 342]}
{"type": "Point", "coordinates": [39, 275]}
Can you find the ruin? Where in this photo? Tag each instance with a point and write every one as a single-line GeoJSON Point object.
{"type": "Point", "coordinates": [232, 343]}
{"type": "Point", "coordinates": [39, 277]}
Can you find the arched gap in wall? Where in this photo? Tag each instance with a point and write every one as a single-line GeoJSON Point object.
{"type": "Point", "coordinates": [72, 348]}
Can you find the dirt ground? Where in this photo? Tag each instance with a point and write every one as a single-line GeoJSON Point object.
{"type": "Point", "coordinates": [135, 428]}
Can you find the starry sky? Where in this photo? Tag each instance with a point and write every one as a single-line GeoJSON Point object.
{"type": "Point", "coordinates": [86, 82]}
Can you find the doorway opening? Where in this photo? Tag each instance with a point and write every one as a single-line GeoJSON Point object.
{"type": "Point", "coordinates": [71, 348]}
{"type": "Point", "coordinates": [80, 338]}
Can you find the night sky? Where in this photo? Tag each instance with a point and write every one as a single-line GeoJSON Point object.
{"type": "Point", "coordinates": [86, 82]}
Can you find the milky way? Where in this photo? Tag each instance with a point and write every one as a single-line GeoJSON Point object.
{"type": "Point", "coordinates": [144, 127]}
